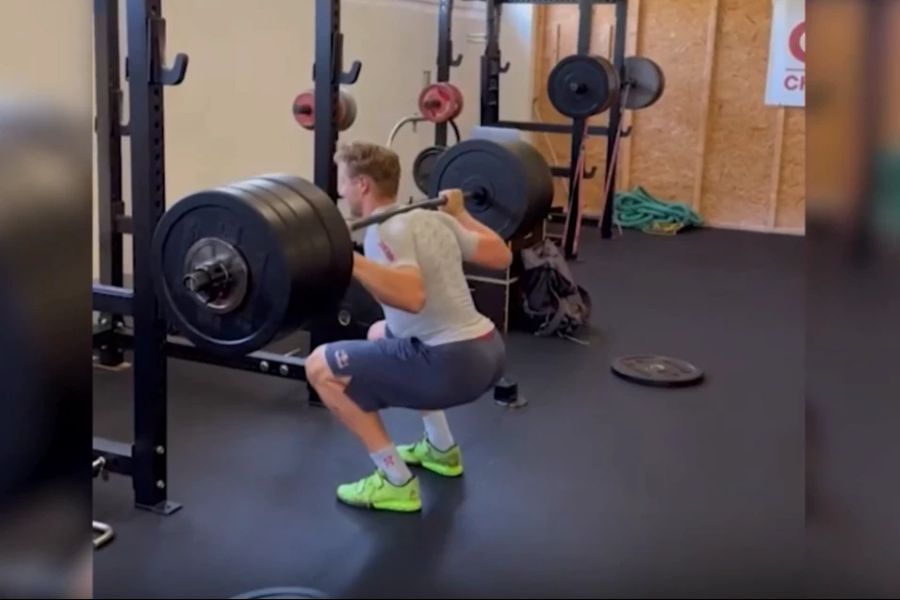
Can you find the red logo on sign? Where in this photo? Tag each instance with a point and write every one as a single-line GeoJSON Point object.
{"type": "Point", "coordinates": [797, 42]}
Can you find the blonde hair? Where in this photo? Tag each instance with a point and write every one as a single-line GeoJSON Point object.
{"type": "Point", "coordinates": [380, 164]}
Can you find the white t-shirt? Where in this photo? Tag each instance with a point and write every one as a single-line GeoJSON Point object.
{"type": "Point", "coordinates": [437, 244]}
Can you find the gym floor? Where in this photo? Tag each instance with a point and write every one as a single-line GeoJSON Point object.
{"type": "Point", "coordinates": [599, 487]}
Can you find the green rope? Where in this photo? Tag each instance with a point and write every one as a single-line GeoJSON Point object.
{"type": "Point", "coordinates": [637, 209]}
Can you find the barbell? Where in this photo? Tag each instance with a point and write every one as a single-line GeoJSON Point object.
{"type": "Point", "coordinates": [240, 266]}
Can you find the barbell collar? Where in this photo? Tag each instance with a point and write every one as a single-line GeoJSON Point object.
{"type": "Point", "coordinates": [207, 277]}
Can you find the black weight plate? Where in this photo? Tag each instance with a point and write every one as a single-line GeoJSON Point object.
{"type": "Point", "coordinates": [303, 246]}
{"type": "Point", "coordinates": [347, 111]}
{"type": "Point", "coordinates": [659, 371]}
{"type": "Point", "coordinates": [516, 178]}
{"type": "Point", "coordinates": [281, 592]}
{"type": "Point", "coordinates": [423, 166]}
{"type": "Point", "coordinates": [539, 177]}
{"type": "Point", "coordinates": [315, 278]}
{"type": "Point", "coordinates": [580, 85]}
{"type": "Point", "coordinates": [334, 282]}
{"type": "Point", "coordinates": [644, 80]}
{"type": "Point", "coordinates": [259, 234]}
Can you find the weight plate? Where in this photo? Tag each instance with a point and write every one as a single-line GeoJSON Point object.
{"type": "Point", "coordinates": [536, 171]}
{"type": "Point", "coordinates": [644, 81]}
{"type": "Point", "coordinates": [346, 111]}
{"type": "Point", "coordinates": [580, 86]}
{"type": "Point", "coordinates": [440, 102]}
{"type": "Point", "coordinates": [423, 166]}
{"type": "Point", "coordinates": [332, 285]}
{"type": "Point", "coordinates": [281, 592]}
{"type": "Point", "coordinates": [250, 225]}
{"type": "Point", "coordinates": [513, 181]}
{"type": "Point", "coordinates": [305, 109]}
{"type": "Point", "coordinates": [458, 98]}
{"type": "Point", "coordinates": [659, 371]}
{"type": "Point", "coordinates": [308, 247]}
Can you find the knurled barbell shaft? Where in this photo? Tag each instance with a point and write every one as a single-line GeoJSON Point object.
{"type": "Point", "coordinates": [402, 208]}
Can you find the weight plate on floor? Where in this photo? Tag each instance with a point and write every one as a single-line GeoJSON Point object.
{"type": "Point", "coordinates": [423, 166]}
{"type": "Point", "coordinates": [653, 370]}
{"type": "Point", "coordinates": [644, 80]}
{"type": "Point", "coordinates": [281, 592]}
{"type": "Point", "coordinates": [580, 85]}
{"type": "Point", "coordinates": [512, 181]}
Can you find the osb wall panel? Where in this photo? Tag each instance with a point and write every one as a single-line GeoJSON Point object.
{"type": "Point", "coordinates": [742, 130]}
{"type": "Point", "coordinates": [710, 141]}
{"type": "Point", "coordinates": [666, 135]}
{"type": "Point", "coordinates": [790, 203]}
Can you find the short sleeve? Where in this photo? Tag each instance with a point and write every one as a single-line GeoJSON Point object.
{"type": "Point", "coordinates": [397, 243]}
{"type": "Point", "coordinates": [468, 240]}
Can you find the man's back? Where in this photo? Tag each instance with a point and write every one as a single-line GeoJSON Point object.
{"type": "Point", "coordinates": [437, 244]}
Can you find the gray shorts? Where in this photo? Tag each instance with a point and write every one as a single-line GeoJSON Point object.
{"type": "Point", "coordinates": [407, 373]}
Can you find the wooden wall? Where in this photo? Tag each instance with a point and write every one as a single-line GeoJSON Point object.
{"type": "Point", "coordinates": [710, 142]}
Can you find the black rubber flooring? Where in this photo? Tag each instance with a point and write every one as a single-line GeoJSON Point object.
{"type": "Point", "coordinates": [598, 487]}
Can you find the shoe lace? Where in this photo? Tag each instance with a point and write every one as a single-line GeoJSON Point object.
{"type": "Point", "coordinates": [372, 482]}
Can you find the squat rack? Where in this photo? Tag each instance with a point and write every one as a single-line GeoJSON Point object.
{"type": "Point", "coordinates": [492, 67]}
{"type": "Point", "coordinates": [445, 59]}
{"type": "Point", "coordinates": [145, 458]}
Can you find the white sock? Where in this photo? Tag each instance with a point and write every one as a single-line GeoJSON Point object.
{"type": "Point", "coordinates": [437, 430]}
{"type": "Point", "coordinates": [389, 461]}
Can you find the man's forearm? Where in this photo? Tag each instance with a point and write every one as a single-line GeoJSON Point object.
{"type": "Point", "coordinates": [493, 252]}
{"type": "Point", "coordinates": [399, 287]}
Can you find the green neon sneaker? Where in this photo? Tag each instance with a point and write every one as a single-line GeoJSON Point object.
{"type": "Point", "coordinates": [376, 492]}
{"type": "Point", "coordinates": [422, 453]}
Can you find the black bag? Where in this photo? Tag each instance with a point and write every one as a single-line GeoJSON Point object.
{"type": "Point", "coordinates": [552, 301]}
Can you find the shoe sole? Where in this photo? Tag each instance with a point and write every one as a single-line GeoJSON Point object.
{"type": "Point", "coordinates": [434, 468]}
{"type": "Point", "coordinates": [385, 506]}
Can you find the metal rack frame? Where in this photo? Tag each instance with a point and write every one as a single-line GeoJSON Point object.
{"type": "Point", "coordinates": [145, 458]}
{"type": "Point", "coordinates": [492, 67]}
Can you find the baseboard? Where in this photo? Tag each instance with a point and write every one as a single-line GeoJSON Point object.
{"type": "Point", "coordinates": [798, 231]}
{"type": "Point", "coordinates": [593, 220]}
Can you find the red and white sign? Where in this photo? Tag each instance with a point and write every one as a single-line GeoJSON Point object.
{"type": "Point", "coordinates": [786, 85]}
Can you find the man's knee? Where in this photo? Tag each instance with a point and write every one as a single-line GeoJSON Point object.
{"type": "Point", "coordinates": [317, 369]}
{"type": "Point", "coordinates": [377, 331]}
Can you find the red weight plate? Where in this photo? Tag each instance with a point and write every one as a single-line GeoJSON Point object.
{"type": "Point", "coordinates": [304, 109]}
{"type": "Point", "coordinates": [440, 102]}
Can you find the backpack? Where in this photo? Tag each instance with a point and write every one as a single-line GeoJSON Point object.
{"type": "Point", "coordinates": [552, 302]}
